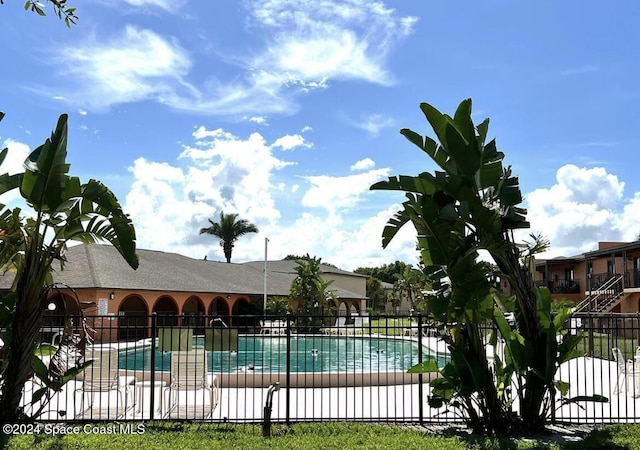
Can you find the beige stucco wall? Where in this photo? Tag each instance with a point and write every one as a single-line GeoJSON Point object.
{"type": "Point", "coordinates": [356, 284]}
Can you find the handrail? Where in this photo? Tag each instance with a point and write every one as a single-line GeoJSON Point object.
{"type": "Point", "coordinates": [218, 319]}
{"type": "Point", "coordinates": [592, 299]}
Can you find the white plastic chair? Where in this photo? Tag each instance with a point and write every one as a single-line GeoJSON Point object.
{"type": "Point", "coordinates": [189, 374]}
{"type": "Point", "coordinates": [626, 372]}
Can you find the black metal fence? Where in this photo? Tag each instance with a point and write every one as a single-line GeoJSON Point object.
{"type": "Point", "coordinates": [319, 368]}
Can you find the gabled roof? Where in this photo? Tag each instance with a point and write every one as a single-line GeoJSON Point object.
{"type": "Point", "coordinates": [102, 267]}
{"type": "Point", "coordinates": [289, 266]}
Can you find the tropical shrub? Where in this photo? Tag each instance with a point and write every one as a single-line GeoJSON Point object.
{"type": "Point", "coordinates": [64, 210]}
{"type": "Point", "coordinates": [472, 205]}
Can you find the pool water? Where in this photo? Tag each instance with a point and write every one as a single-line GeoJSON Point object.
{"type": "Point", "coordinates": [308, 354]}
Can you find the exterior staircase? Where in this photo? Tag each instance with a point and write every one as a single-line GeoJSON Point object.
{"type": "Point", "coordinates": [604, 298]}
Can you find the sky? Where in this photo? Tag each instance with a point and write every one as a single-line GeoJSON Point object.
{"type": "Point", "coordinates": [287, 111]}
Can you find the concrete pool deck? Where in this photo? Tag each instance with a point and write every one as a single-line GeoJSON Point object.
{"type": "Point", "coordinates": [394, 402]}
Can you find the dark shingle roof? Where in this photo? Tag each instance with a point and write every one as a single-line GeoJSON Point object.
{"type": "Point", "coordinates": [102, 267]}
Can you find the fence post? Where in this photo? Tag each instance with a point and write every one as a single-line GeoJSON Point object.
{"type": "Point", "coordinates": [591, 325]}
{"type": "Point", "coordinates": [288, 373]}
{"type": "Point", "coordinates": [152, 362]}
{"type": "Point", "coordinates": [420, 376]}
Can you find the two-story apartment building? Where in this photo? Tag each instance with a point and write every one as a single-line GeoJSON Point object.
{"type": "Point", "coordinates": [602, 280]}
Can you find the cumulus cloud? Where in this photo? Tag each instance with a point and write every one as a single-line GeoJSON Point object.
{"type": "Point", "coordinates": [347, 244]}
{"type": "Point", "coordinates": [363, 164]}
{"type": "Point", "coordinates": [170, 202]}
{"type": "Point", "coordinates": [335, 194]}
{"type": "Point", "coordinates": [219, 172]}
{"type": "Point", "coordinates": [290, 142]}
{"type": "Point", "coordinates": [582, 208]}
{"type": "Point", "coordinates": [14, 163]}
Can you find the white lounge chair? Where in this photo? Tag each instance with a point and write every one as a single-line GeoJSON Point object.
{"type": "Point", "coordinates": [100, 381]}
{"type": "Point", "coordinates": [273, 327]}
{"type": "Point", "coordinates": [337, 328]}
{"type": "Point", "coordinates": [627, 373]}
{"type": "Point", "coordinates": [189, 380]}
{"type": "Point", "coordinates": [359, 324]}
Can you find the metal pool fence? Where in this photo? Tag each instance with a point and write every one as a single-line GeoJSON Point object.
{"type": "Point", "coordinates": [311, 368]}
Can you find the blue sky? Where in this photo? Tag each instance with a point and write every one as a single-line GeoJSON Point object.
{"type": "Point", "coordinates": [286, 111]}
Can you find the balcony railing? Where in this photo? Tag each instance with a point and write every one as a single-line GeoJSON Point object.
{"type": "Point", "coordinates": [561, 286]}
{"type": "Point", "coordinates": [632, 278]}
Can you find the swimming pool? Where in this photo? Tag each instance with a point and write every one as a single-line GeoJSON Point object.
{"type": "Point", "coordinates": [315, 354]}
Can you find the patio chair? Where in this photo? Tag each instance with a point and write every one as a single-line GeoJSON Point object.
{"type": "Point", "coordinates": [626, 372]}
{"type": "Point", "coordinates": [189, 375]}
{"type": "Point", "coordinates": [337, 328]}
{"type": "Point", "coordinates": [100, 380]}
{"type": "Point", "coordinates": [359, 323]}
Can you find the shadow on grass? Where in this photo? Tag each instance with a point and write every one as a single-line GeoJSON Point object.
{"type": "Point", "coordinates": [611, 438]}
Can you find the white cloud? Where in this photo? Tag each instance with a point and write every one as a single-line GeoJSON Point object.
{"type": "Point", "coordinates": [137, 65]}
{"type": "Point", "coordinates": [169, 203]}
{"type": "Point", "coordinates": [166, 5]}
{"type": "Point", "coordinates": [337, 194]}
{"type": "Point", "coordinates": [363, 164]}
{"type": "Point", "coordinates": [16, 155]}
{"type": "Point", "coordinates": [291, 141]}
{"type": "Point", "coordinates": [14, 163]}
{"type": "Point", "coordinates": [374, 123]}
{"type": "Point", "coordinates": [302, 47]}
{"type": "Point", "coordinates": [316, 41]}
{"type": "Point", "coordinates": [341, 242]}
{"type": "Point", "coordinates": [578, 211]}
{"type": "Point", "coordinates": [219, 172]}
{"type": "Point", "coordinates": [260, 120]}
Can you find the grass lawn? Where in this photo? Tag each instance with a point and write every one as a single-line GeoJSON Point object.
{"type": "Point", "coordinates": [177, 436]}
{"type": "Point", "coordinates": [390, 326]}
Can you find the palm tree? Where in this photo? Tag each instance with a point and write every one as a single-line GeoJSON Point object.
{"type": "Point", "coordinates": [229, 229]}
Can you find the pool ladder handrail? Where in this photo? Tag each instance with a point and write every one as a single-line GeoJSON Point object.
{"type": "Point", "coordinates": [218, 319]}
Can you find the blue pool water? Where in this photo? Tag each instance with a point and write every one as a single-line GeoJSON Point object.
{"type": "Point", "coordinates": [308, 354]}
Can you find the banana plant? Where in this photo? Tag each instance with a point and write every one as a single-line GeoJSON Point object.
{"type": "Point", "coordinates": [472, 205]}
{"type": "Point", "coordinates": [64, 210]}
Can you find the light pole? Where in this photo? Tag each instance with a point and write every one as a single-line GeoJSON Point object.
{"type": "Point", "coordinates": [264, 299]}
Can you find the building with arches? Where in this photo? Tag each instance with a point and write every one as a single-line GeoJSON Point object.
{"type": "Point", "coordinates": [180, 290]}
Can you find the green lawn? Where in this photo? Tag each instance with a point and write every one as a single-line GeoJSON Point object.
{"type": "Point", "coordinates": [389, 326]}
{"type": "Point", "coordinates": [603, 343]}
{"type": "Point", "coordinates": [177, 436]}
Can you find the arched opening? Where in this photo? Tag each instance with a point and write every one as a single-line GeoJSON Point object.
{"type": "Point", "coordinates": [58, 307]}
{"type": "Point", "coordinates": [193, 312]}
{"type": "Point", "coordinates": [241, 308]}
{"type": "Point", "coordinates": [167, 312]}
{"type": "Point", "coordinates": [219, 309]}
{"type": "Point", "coordinates": [353, 311]}
{"type": "Point", "coordinates": [132, 323]}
